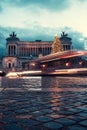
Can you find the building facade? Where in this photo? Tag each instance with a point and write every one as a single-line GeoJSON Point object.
{"type": "Point", "coordinates": [20, 52]}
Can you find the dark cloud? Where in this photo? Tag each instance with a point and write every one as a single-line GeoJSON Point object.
{"type": "Point", "coordinates": [1, 6]}
{"type": "Point", "coordinates": [40, 33]}
{"type": "Point", "coordinates": [53, 5]}
{"type": "Point", "coordinates": [1, 9]}
{"type": "Point", "coordinates": [2, 45]}
{"type": "Point", "coordinates": [48, 4]}
{"type": "Point", "coordinates": [76, 36]}
{"type": "Point", "coordinates": [2, 40]}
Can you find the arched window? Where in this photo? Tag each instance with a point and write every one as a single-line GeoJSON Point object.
{"type": "Point", "coordinates": [9, 65]}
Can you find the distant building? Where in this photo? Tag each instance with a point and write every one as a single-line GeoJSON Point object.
{"type": "Point", "coordinates": [18, 53]}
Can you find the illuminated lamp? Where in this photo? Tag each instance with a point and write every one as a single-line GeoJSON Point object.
{"type": "Point", "coordinates": [80, 63]}
{"type": "Point", "coordinates": [33, 64]}
{"type": "Point", "coordinates": [67, 64]}
{"type": "Point", "coordinates": [43, 65]}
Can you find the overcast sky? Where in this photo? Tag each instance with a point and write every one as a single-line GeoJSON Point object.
{"type": "Point", "coordinates": [42, 19]}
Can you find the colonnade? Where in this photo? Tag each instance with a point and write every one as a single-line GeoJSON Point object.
{"type": "Point", "coordinates": [34, 51]}
{"type": "Point", "coordinates": [11, 50]}
{"type": "Point", "coordinates": [25, 50]}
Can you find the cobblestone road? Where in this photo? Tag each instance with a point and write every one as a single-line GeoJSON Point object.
{"type": "Point", "coordinates": [41, 110]}
{"type": "Point", "coordinates": [46, 109]}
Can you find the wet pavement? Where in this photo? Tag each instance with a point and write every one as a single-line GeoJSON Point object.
{"type": "Point", "coordinates": [24, 109]}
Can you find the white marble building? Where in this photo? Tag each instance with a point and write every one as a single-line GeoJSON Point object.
{"type": "Point", "coordinates": [18, 53]}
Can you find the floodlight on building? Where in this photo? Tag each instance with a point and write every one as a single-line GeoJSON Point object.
{"type": "Point", "coordinates": [67, 64]}
{"type": "Point", "coordinates": [33, 64]}
{"type": "Point", "coordinates": [80, 63]}
{"type": "Point", "coordinates": [43, 66]}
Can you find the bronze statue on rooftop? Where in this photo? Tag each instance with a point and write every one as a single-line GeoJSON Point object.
{"type": "Point", "coordinates": [64, 34]}
{"type": "Point", "coordinates": [13, 34]}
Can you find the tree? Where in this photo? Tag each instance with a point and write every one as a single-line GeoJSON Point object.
{"type": "Point", "coordinates": [56, 45]}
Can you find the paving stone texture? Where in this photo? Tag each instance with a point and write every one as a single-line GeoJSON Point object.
{"type": "Point", "coordinates": [43, 110]}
